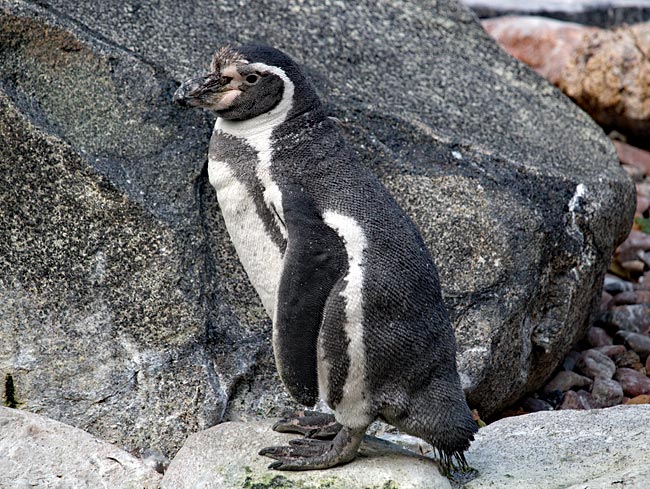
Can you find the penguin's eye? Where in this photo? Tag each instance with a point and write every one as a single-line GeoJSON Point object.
{"type": "Point", "coordinates": [252, 79]}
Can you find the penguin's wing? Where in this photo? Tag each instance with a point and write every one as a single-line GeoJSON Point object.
{"type": "Point", "coordinates": [313, 262]}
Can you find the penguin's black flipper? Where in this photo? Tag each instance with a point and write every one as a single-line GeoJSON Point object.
{"type": "Point", "coordinates": [314, 260]}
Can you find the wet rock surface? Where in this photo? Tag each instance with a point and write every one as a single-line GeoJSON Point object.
{"type": "Point", "coordinates": [124, 309]}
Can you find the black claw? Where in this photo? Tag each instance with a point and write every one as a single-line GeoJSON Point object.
{"type": "Point", "coordinates": [275, 465]}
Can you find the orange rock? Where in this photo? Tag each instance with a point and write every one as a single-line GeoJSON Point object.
{"type": "Point", "coordinates": [642, 399]}
{"type": "Point", "coordinates": [544, 44]}
{"type": "Point", "coordinates": [609, 77]}
{"type": "Point", "coordinates": [606, 72]}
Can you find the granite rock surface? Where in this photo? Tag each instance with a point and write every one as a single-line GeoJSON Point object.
{"type": "Point", "coordinates": [123, 308]}
{"type": "Point", "coordinates": [41, 452]}
{"type": "Point", "coordinates": [601, 448]}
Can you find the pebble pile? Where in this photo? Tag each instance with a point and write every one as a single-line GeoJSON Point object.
{"type": "Point", "coordinates": [611, 364]}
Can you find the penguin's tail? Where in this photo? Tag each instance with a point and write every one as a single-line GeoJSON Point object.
{"type": "Point", "coordinates": [440, 415]}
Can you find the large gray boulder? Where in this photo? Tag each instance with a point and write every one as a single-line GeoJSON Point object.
{"type": "Point", "coordinates": [123, 308]}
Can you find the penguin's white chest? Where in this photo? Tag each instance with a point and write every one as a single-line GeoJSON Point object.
{"type": "Point", "coordinates": [259, 254]}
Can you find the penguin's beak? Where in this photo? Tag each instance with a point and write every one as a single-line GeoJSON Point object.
{"type": "Point", "coordinates": [204, 91]}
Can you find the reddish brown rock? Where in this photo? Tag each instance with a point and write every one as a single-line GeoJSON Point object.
{"type": "Point", "coordinates": [642, 399]}
{"type": "Point", "coordinates": [633, 156]}
{"type": "Point", "coordinates": [635, 317]}
{"type": "Point", "coordinates": [605, 300]}
{"type": "Point", "coordinates": [634, 266]}
{"type": "Point", "coordinates": [612, 351]}
{"type": "Point", "coordinates": [628, 359]}
{"type": "Point", "coordinates": [570, 360]}
{"type": "Point", "coordinates": [571, 401]}
{"type": "Point", "coordinates": [637, 240]}
{"type": "Point", "coordinates": [631, 297]}
{"type": "Point", "coordinates": [596, 365]}
{"type": "Point", "coordinates": [532, 405]}
{"type": "Point", "coordinates": [640, 343]}
{"type": "Point", "coordinates": [636, 174]}
{"type": "Point", "coordinates": [642, 188]}
{"type": "Point", "coordinates": [598, 336]}
{"type": "Point", "coordinates": [633, 383]}
{"type": "Point", "coordinates": [586, 400]}
{"type": "Point", "coordinates": [642, 205]}
{"type": "Point", "coordinates": [606, 393]}
{"type": "Point", "coordinates": [543, 44]}
{"type": "Point", "coordinates": [566, 380]}
{"type": "Point", "coordinates": [608, 75]}
{"type": "Point", "coordinates": [607, 72]}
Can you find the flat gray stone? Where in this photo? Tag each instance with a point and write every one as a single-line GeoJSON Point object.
{"type": "Point", "coordinates": [225, 457]}
{"type": "Point", "coordinates": [600, 448]}
{"type": "Point", "coordinates": [39, 452]}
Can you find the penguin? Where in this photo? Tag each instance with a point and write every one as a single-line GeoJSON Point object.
{"type": "Point", "coordinates": [352, 290]}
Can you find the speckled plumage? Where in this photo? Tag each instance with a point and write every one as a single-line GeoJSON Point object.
{"type": "Point", "coordinates": [357, 311]}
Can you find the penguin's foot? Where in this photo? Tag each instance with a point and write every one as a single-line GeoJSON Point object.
{"type": "Point", "coordinates": [311, 424]}
{"type": "Point", "coordinates": [310, 454]}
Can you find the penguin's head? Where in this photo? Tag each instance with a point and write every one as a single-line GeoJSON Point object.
{"type": "Point", "coordinates": [248, 82]}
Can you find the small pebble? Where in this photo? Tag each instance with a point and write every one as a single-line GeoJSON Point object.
{"type": "Point", "coordinates": [633, 383]}
{"type": "Point", "coordinates": [636, 239]}
{"type": "Point", "coordinates": [585, 400]}
{"type": "Point", "coordinates": [598, 336]}
{"type": "Point", "coordinates": [605, 300]}
{"type": "Point", "coordinates": [615, 285]}
{"type": "Point", "coordinates": [611, 350]}
{"type": "Point", "coordinates": [606, 393]}
{"type": "Point", "coordinates": [628, 359]}
{"type": "Point", "coordinates": [567, 380]}
{"type": "Point", "coordinates": [635, 318]}
{"type": "Point", "coordinates": [533, 405]}
{"type": "Point", "coordinates": [635, 266]}
{"type": "Point", "coordinates": [640, 343]}
{"type": "Point", "coordinates": [642, 399]}
{"type": "Point", "coordinates": [636, 174]}
{"type": "Point", "coordinates": [570, 360]}
{"type": "Point", "coordinates": [645, 258]}
{"type": "Point", "coordinates": [630, 254]}
{"type": "Point", "coordinates": [643, 188]}
{"type": "Point", "coordinates": [631, 297]}
{"type": "Point", "coordinates": [642, 204]}
{"type": "Point", "coordinates": [596, 365]}
{"type": "Point", "coordinates": [571, 401]}
{"type": "Point", "coordinates": [554, 398]}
